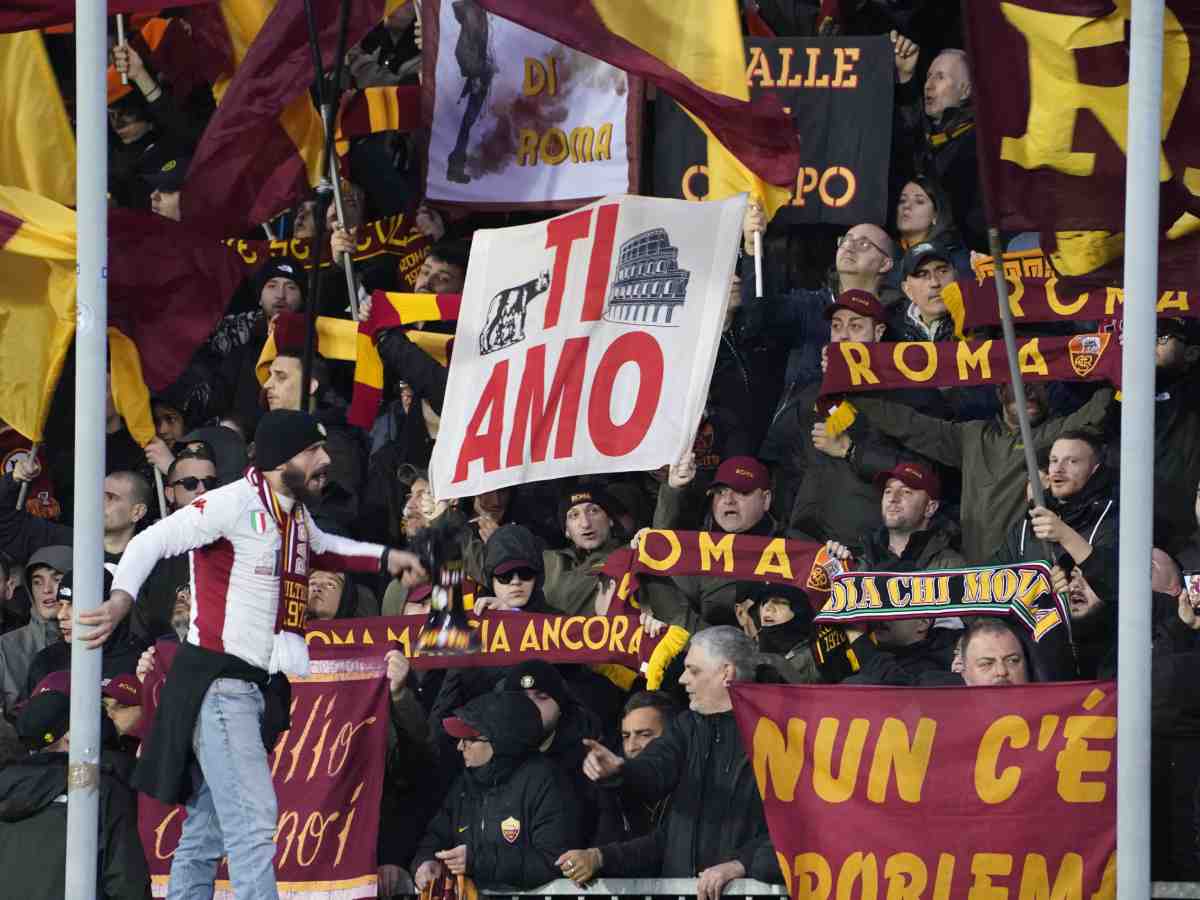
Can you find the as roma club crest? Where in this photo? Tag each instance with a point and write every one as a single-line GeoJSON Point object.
{"type": "Point", "coordinates": [1086, 350]}
{"type": "Point", "coordinates": [510, 828]}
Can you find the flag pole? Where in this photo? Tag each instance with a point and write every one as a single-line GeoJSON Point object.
{"type": "Point", "coordinates": [1137, 449]}
{"type": "Point", "coordinates": [121, 40]}
{"type": "Point", "coordinates": [91, 379]}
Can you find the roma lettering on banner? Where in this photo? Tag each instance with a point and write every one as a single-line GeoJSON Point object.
{"type": "Point", "coordinates": [854, 366]}
{"type": "Point", "coordinates": [1024, 591]}
{"type": "Point", "coordinates": [944, 795]}
{"type": "Point", "coordinates": [839, 93]}
{"type": "Point", "coordinates": [570, 332]}
{"type": "Point", "coordinates": [1033, 296]}
{"type": "Point", "coordinates": [737, 557]}
{"type": "Point", "coordinates": [328, 775]}
{"type": "Point", "coordinates": [518, 119]}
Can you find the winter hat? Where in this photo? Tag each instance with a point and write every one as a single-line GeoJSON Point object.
{"type": "Point", "coordinates": [281, 434]}
{"type": "Point", "coordinates": [45, 719]}
{"type": "Point", "coordinates": [66, 587]}
{"type": "Point", "coordinates": [283, 267]}
{"type": "Point", "coordinates": [537, 674]}
{"type": "Point", "coordinates": [56, 556]}
{"type": "Point", "coordinates": [586, 492]}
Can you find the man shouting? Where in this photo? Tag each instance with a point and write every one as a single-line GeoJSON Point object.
{"type": "Point", "coordinates": [254, 544]}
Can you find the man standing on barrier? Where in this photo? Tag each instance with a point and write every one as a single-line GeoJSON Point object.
{"type": "Point", "coordinates": [221, 709]}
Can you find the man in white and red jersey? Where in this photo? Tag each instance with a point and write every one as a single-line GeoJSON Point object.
{"type": "Point", "coordinates": [253, 545]}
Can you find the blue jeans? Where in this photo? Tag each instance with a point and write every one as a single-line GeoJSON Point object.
{"type": "Point", "coordinates": [234, 805]}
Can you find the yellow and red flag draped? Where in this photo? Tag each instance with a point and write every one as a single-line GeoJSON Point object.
{"type": "Point", "coordinates": [37, 145]}
{"type": "Point", "coordinates": [336, 339]}
{"type": "Point", "coordinates": [691, 50]}
{"type": "Point", "coordinates": [37, 305]}
{"type": "Point", "coordinates": [396, 310]}
{"type": "Point", "coordinates": [131, 397]}
{"type": "Point", "coordinates": [262, 147]}
{"type": "Point", "coordinates": [374, 109]}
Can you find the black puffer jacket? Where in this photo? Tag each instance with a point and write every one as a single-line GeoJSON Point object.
{"type": "Point", "coordinates": [715, 813]}
{"type": "Point", "coordinates": [513, 813]}
{"type": "Point", "coordinates": [925, 662]}
{"type": "Point", "coordinates": [33, 830]}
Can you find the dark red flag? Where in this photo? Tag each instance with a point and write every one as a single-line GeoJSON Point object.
{"type": "Point", "coordinates": [25, 15]}
{"type": "Point", "coordinates": [167, 289]}
{"type": "Point", "coordinates": [1051, 84]}
{"type": "Point", "coordinates": [247, 168]}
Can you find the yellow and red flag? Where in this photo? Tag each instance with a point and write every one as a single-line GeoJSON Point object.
{"type": "Point", "coordinates": [396, 310]}
{"type": "Point", "coordinates": [691, 50]}
{"type": "Point", "coordinates": [37, 145]}
{"type": "Point", "coordinates": [374, 109]}
{"type": "Point", "coordinates": [37, 305]}
{"type": "Point", "coordinates": [25, 15]}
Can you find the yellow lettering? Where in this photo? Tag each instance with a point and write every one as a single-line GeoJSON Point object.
{"type": "Point", "coordinates": [1063, 309]}
{"type": "Point", "coordinates": [1077, 760]}
{"type": "Point", "coordinates": [1035, 878]}
{"type": "Point", "coordinates": [990, 787]}
{"type": "Point", "coordinates": [783, 759]}
{"type": "Point", "coordinates": [499, 642]}
{"type": "Point", "coordinates": [983, 867]}
{"type": "Point", "coordinates": [659, 565]}
{"type": "Point", "coordinates": [906, 876]}
{"type": "Point", "coordinates": [843, 73]}
{"type": "Point", "coordinates": [594, 643]}
{"type": "Point", "coordinates": [604, 141]}
{"type": "Point", "coordinates": [909, 760]}
{"type": "Point", "coordinates": [830, 788]}
{"type": "Point", "coordinates": [814, 56]}
{"type": "Point", "coordinates": [552, 148]}
{"type": "Point", "coordinates": [711, 551]}
{"type": "Point", "coordinates": [814, 879]}
{"type": "Point", "coordinates": [529, 639]}
{"type": "Point", "coordinates": [759, 67]}
{"type": "Point", "coordinates": [582, 139]}
{"type": "Point", "coordinates": [527, 147]}
{"type": "Point", "coordinates": [978, 359]}
{"type": "Point", "coordinates": [1030, 359]}
{"type": "Point", "coordinates": [569, 642]}
{"type": "Point", "coordinates": [862, 868]}
{"type": "Point", "coordinates": [774, 561]}
{"type": "Point", "coordinates": [858, 362]}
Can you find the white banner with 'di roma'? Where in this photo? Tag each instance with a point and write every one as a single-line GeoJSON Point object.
{"type": "Point", "coordinates": [585, 343]}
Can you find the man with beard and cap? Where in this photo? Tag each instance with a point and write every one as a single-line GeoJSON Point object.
{"type": "Point", "coordinates": [989, 453]}
{"type": "Point", "coordinates": [926, 270]}
{"type": "Point", "coordinates": [912, 538]}
{"type": "Point", "coordinates": [714, 828]}
{"type": "Point", "coordinates": [18, 648]}
{"type": "Point", "coordinates": [588, 514]}
{"type": "Point", "coordinates": [1080, 513]}
{"type": "Point", "coordinates": [253, 545]}
{"type": "Point", "coordinates": [507, 817]}
{"type": "Point", "coordinates": [33, 821]}
{"type": "Point", "coordinates": [120, 653]}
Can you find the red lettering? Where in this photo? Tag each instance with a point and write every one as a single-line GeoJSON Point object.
{"type": "Point", "coordinates": [642, 350]}
{"type": "Point", "coordinates": [599, 264]}
{"type": "Point", "coordinates": [485, 445]}
{"type": "Point", "coordinates": [538, 411]}
{"type": "Point", "coordinates": [560, 235]}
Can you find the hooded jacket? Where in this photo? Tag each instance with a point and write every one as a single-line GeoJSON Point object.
{"type": "Point", "coordinates": [510, 543]}
{"type": "Point", "coordinates": [715, 812]}
{"type": "Point", "coordinates": [513, 813]}
{"type": "Point", "coordinates": [1092, 512]}
{"type": "Point", "coordinates": [932, 548]}
{"type": "Point", "coordinates": [925, 662]}
{"type": "Point", "coordinates": [18, 649]}
{"type": "Point", "coordinates": [571, 577]}
{"type": "Point", "coordinates": [33, 830]}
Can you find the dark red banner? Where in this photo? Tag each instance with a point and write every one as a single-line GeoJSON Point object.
{"type": "Point", "coordinates": [943, 793]}
{"type": "Point", "coordinates": [890, 366]}
{"type": "Point", "coordinates": [328, 773]}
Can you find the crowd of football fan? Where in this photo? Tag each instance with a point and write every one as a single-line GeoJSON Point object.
{"type": "Point", "coordinates": [611, 780]}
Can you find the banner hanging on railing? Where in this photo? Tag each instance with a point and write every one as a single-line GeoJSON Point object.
{"type": "Point", "coordinates": [585, 343]}
{"type": "Point", "coordinates": [938, 792]}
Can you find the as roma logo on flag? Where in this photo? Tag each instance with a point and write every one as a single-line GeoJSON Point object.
{"type": "Point", "coordinates": [510, 828]}
{"type": "Point", "coordinates": [1086, 350]}
{"type": "Point", "coordinates": [258, 521]}
{"type": "Point", "coordinates": [824, 569]}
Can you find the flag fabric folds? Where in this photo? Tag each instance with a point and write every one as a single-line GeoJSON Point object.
{"type": "Point", "coordinates": [396, 310]}
{"type": "Point", "coordinates": [336, 339]}
{"type": "Point", "coordinates": [131, 397]}
{"type": "Point", "coordinates": [37, 145]}
{"type": "Point", "coordinates": [262, 147]}
{"type": "Point", "coordinates": [37, 305]}
{"type": "Point", "coordinates": [1051, 82]}
{"type": "Point", "coordinates": [375, 109]}
{"type": "Point", "coordinates": [25, 15]}
{"type": "Point", "coordinates": [690, 49]}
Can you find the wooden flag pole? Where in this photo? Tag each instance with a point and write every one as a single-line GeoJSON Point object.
{"type": "Point", "coordinates": [162, 494]}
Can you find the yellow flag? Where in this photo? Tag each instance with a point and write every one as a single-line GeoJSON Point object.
{"type": "Point", "coordinates": [37, 146]}
{"type": "Point", "coordinates": [37, 305]}
{"type": "Point", "coordinates": [131, 397]}
{"type": "Point", "coordinates": [728, 176]}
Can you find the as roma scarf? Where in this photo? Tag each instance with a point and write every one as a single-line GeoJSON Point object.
{"type": "Point", "coordinates": [293, 555]}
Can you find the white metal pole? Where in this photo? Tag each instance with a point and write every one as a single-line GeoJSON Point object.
{"type": "Point", "coordinates": [91, 351]}
{"type": "Point", "coordinates": [121, 40]}
{"type": "Point", "coordinates": [1137, 449]}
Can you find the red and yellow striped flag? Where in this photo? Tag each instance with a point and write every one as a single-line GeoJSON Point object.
{"type": "Point", "coordinates": [374, 109]}
{"type": "Point", "coordinates": [37, 305]}
{"type": "Point", "coordinates": [396, 310]}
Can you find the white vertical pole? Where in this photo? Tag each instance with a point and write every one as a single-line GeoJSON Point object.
{"type": "Point", "coordinates": [1137, 449]}
{"type": "Point", "coordinates": [91, 350]}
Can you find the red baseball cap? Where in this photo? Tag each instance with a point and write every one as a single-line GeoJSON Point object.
{"type": "Point", "coordinates": [56, 681]}
{"type": "Point", "coordinates": [914, 475]}
{"type": "Point", "coordinates": [742, 473]}
{"type": "Point", "coordinates": [459, 728]}
{"type": "Point", "coordinates": [124, 688]}
{"type": "Point", "coordinates": [864, 303]}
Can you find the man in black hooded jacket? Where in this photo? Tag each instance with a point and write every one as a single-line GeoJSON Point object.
{"type": "Point", "coordinates": [507, 817]}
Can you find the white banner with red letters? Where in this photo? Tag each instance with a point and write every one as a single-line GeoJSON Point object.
{"type": "Point", "coordinates": [585, 343]}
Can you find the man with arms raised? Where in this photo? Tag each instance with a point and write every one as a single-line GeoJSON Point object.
{"type": "Point", "coordinates": [254, 544]}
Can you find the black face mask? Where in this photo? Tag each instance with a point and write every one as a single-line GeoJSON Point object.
{"type": "Point", "coordinates": [782, 638]}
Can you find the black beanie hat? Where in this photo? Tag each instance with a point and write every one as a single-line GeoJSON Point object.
{"type": "Point", "coordinates": [586, 492]}
{"type": "Point", "coordinates": [537, 674]}
{"type": "Point", "coordinates": [66, 587]}
{"type": "Point", "coordinates": [281, 434]}
{"type": "Point", "coordinates": [283, 267]}
{"type": "Point", "coordinates": [44, 719]}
